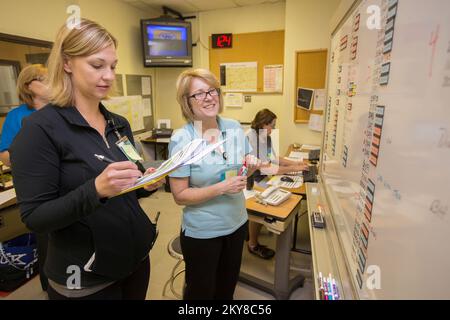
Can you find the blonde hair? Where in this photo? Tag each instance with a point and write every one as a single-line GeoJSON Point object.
{"type": "Point", "coordinates": [26, 76]}
{"type": "Point", "coordinates": [184, 85]}
{"type": "Point", "coordinates": [84, 40]}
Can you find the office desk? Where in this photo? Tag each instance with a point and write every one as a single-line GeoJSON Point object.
{"type": "Point", "coordinates": [278, 220]}
{"type": "Point", "coordinates": [158, 141]}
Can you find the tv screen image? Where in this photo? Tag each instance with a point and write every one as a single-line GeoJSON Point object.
{"type": "Point", "coordinates": [166, 42]}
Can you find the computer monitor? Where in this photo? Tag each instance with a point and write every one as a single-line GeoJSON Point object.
{"type": "Point", "coordinates": [166, 42]}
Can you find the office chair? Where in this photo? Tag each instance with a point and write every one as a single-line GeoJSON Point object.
{"type": "Point", "coordinates": [174, 249]}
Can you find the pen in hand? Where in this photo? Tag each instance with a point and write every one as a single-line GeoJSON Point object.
{"type": "Point", "coordinates": [103, 158]}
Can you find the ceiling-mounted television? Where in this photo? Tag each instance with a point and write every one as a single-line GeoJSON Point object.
{"type": "Point", "coordinates": [166, 42]}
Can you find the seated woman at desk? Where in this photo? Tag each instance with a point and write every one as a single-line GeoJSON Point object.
{"type": "Point", "coordinates": [214, 224]}
{"type": "Point", "coordinates": [261, 143]}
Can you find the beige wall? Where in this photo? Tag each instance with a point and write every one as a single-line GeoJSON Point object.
{"type": "Point", "coordinates": [258, 18]}
{"type": "Point", "coordinates": [307, 28]}
{"type": "Point", "coordinates": [40, 19]}
{"type": "Point", "coordinates": [306, 24]}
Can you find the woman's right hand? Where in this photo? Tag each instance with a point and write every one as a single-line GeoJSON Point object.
{"type": "Point", "coordinates": [116, 177]}
{"type": "Point", "coordinates": [233, 185]}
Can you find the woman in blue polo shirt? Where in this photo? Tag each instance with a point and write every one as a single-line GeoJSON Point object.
{"type": "Point", "coordinates": [34, 94]}
{"type": "Point", "coordinates": [214, 222]}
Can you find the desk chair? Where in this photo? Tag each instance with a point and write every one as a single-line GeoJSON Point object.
{"type": "Point", "coordinates": [174, 249]}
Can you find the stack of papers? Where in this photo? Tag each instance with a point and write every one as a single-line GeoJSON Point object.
{"type": "Point", "coordinates": [191, 153]}
{"type": "Point", "coordinates": [310, 147]}
{"type": "Point", "coordinates": [298, 155]}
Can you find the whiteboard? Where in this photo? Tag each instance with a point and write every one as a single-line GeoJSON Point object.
{"type": "Point", "coordinates": [386, 147]}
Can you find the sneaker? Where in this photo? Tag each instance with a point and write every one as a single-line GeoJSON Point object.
{"type": "Point", "coordinates": [261, 251]}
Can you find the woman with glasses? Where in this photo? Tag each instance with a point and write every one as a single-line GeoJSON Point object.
{"type": "Point", "coordinates": [259, 137]}
{"type": "Point", "coordinates": [214, 224]}
{"type": "Point", "coordinates": [33, 93]}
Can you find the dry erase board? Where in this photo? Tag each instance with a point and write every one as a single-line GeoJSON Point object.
{"type": "Point", "coordinates": [387, 147]}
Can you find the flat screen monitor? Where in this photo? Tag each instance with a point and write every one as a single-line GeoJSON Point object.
{"type": "Point", "coordinates": [167, 42]}
{"type": "Point", "coordinates": [305, 98]}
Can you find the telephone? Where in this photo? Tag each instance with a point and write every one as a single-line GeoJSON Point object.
{"type": "Point", "coordinates": [274, 195]}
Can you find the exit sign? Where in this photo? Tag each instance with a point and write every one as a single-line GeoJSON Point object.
{"type": "Point", "coordinates": [222, 40]}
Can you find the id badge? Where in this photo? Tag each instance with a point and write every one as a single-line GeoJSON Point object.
{"type": "Point", "coordinates": [128, 149]}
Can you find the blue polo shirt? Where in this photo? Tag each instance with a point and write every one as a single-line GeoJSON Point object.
{"type": "Point", "coordinates": [12, 125]}
{"type": "Point", "coordinates": [224, 214]}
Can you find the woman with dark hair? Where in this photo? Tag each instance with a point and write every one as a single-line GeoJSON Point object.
{"type": "Point", "coordinates": [261, 143]}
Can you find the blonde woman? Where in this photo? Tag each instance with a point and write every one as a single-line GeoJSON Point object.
{"type": "Point", "coordinates": [214, 222]}
{"type": "Point", "coordinates": [98, 246]}
{"type": "Point", "coordinates": [33, 93]}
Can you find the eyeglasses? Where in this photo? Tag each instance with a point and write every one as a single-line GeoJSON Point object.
{"type": "Point", "coordinates": [202, 95]}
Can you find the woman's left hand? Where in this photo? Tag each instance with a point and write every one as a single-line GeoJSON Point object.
{"type": "Point", "coordinates": [155, 185]}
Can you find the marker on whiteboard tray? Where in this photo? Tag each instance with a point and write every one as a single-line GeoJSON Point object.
{"type": "Point", "coordinates": [335, 289]}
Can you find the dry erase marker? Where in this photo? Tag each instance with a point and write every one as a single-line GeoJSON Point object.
{"type": "Point", "coordinates": [103, 158]}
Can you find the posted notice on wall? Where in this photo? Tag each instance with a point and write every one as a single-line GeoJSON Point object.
{"type": "Point", "coordinates": [319, 99]}
{"type": "Point", "coordinates": [316, 122]}
{"type": "Point", "coordinates": [239, 76]}
{"type": "Point", "coordinates": [233, 100]}
{"type": "Point", "coordinates": [273, 78]}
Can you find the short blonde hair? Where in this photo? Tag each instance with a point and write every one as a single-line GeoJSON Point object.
{"type": "Point", "coordinates": [26, 76]}
{"type": "Point", "coordinates": [184, 85]}
{"type": "Point", "coordinates": [82, 41]}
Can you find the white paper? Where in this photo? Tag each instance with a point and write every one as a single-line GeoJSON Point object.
{"type": "Point", "coordinates": [319, 99]}
{"type": "Point", "coordinates": [146, 86]}
{"type": "Point", "coordinates": [147, 102]}
{"type": "Point", "coordinates": [233, 99]}
{"type": "Point", "coordinates": [249, 193]}
{"type": "Point", "coordinates": [189, 154]}
{"type": "Point", "coordinates": [294, 159]}
{"type": "Point", "coordinates": [298, 155]}
{"type": "Point", "coordinates": [310, 147]}
{"type": "Point", "coordinates": [316, 122]}
{"type": "Point", "coordinates": [273, 78]}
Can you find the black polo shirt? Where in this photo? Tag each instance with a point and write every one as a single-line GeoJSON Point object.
{"type": "Point", "coordinates": [54, 169]}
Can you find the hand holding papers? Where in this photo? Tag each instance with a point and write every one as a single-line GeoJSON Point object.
{"type": "Point", "coordinates": [191, 153]}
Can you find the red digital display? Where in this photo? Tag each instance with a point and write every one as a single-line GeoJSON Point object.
{"type": "Point", "coordinates": [222, 40]}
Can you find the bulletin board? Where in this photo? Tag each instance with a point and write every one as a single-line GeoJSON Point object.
{"type": "Point", "coordinates": [311, 72]}
{"type": "Point", "coordinates": [264, 48]}
{"type": "Point", "coordinates": [135, 103]}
